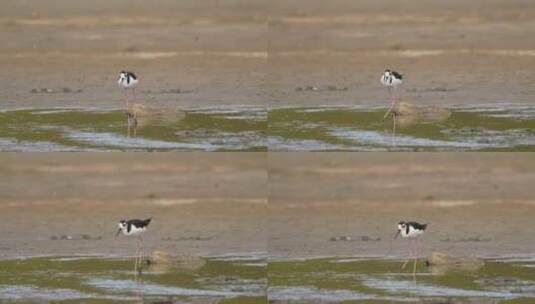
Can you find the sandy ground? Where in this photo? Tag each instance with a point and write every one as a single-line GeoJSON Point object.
{"type": "Point", "coordinates": [451, 52]}
{"type": "Point", "coordinates": [208, 51]}
{"type": "Point", "coordinates": [201, 203]}
{"type": "Point", "coordinates": [475, 203]}
{"type": "Point", "coordinates": [232, 52]}
{"type": "Point", "coordinates": [223, 203]}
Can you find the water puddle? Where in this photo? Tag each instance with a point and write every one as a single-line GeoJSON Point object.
{"type": "Point", "coordinates": [67, 129]}
{"type": "Point", "coordinates": [505, 127]}
{"type": "Point", "coordinates": [107, 280]}
{"type": "Point", "coordinates": [348, 280]}
{"type": "Point", "coordinates": [231, 279]}
{"type": "Point", "coordinates": [502, 127]}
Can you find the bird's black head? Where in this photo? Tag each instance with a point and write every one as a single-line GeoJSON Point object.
{"type": "Point", "coordinates": [387, 71]}
{"type": "Point", "coordinates": [120, 227]}
{"type": "Point", "coordinates": [401, 226]}
{"type": "Point", "coordinates": [122, 75]}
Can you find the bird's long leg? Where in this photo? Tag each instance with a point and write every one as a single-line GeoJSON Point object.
{"type": "Point", "coordinates": [127, 104]}
{"type": "Point", "coordinates": [410, 254]}
{"type": "Point", "coordinates": [134, 122]}
{"type": "Point", "coordinates": [391, 103]}
{"type": "Point", "coordinates": [141, 255]}
{"type": "Point", "coordinates": [415, 258]}
{"type": "Point", "coordinates": [394, 97]}
{"type": "Point", "coordinates": [394, 116]}
{"type": "Point", "coordinates": [135, 260]}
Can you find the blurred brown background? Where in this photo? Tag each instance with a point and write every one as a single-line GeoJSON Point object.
{"type": "Point", "coordinates": [258, 52]}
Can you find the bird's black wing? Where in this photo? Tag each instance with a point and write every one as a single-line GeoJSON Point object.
{"type": "Point", "coordinates": [131, 74]}
{"type": "Point", "coordinates": [397, 75]}
{"type": "Point", "coordinates": [138, 223]}
{"type": "Point", "coordinates": [418, 225]}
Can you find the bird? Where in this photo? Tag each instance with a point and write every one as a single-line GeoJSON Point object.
{"type": "Point", "coordinates": [392, 80]}
{"type": "Point", "coordinates": [135, 228]}
{"type": "Point", "coordinates": [128, 80]}
{"type": "Point", "coordinates": [411, 231]}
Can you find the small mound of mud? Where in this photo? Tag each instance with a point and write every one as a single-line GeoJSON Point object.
{"type": "Point", "coordinates": [169, 91]}
{"type": "Point", "coordinates": [64, 90]}
{"type": "Point", "coordinates": [162, 261]}
{"type": "Point", "coordinates": [362, 238]}
{"type": "Point", "coordinates": [467, 239]}
{"type": "Point", "coordinates": [440, 263]}
{"type": "Point", "coordinates": [325, 88]}
{"type": "Point", "coordinates": [150, 116]}
{"type": "Point", "coordinates": [66, 237]}
{"type": "Point", "coordinates": [409, 114]}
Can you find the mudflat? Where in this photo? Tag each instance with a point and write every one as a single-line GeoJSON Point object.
{"type": "Point", "coordinates": [190, 54]}
{"type": "Point", "coordinates": [286, 204]}
{"type": "Point", "coordinates": [187, 54]}
{"type": "Point", "coordinates": [450, 52]}
{"type": "Point", "coordinates": [349, 204]}
{"type": "Point", "coordinates": [69, 204]}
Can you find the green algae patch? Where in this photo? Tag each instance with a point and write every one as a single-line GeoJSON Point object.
{"type": "Point", "coordinates": [363, 129]}
{"type": "Point", "coordinates": [105, 280]}
{"type": "Point", "coordinates": [234, 129]}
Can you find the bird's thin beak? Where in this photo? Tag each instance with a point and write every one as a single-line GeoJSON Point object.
{"type": "Point", "coordinates": [118, 231]}
{"type": "Point", "coordinates": [397, 234]}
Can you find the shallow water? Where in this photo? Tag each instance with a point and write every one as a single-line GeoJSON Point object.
{"type": "Point", "coordinates": [249, 279]}
{"type": "Point", "coordinates": [506, 127]}
{"type": "Point", "coordinates": [335, 280]}
{"type": "Point", "coordinates": [105, 280]}
{"type": "Point", "coordinates": [502, 127]}
{"type": "Point", "coordinates": [66, 129]}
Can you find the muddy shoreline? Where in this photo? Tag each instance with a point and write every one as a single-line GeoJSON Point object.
{"type": "Point", "coordinates": [68, 204]}
{"type": "Point", "coordinates": [317, 204]}
{"type": "Point", "coordinates": [260, 53]}
{"type": "Point", "coordinates": [319, 200]}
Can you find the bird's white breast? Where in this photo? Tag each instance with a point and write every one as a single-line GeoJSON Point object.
{"type": "Point", "coordinates": [123, 81]}
{"type": "Point", "coordinates": [134, 231]}
{"type": "Point", "coordinates": [389, 80]}
{"type": "Point", "coordinates": [411, 233]}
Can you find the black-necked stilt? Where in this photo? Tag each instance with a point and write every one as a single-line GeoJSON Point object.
{"type": "Point", "coordinates": [129, 80]}
{"type": "Point", "coordinates": [135, 228]}
{"type": "Point", "coordinates": [411, 231]}
{"type": "Point", "coordinates": [392, 80]}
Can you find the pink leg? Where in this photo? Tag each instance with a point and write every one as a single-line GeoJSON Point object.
{"type": "Point", "coordinates": [141, 255]}
{"type": "Point", "coordinates": [410, 254]}
{"type": "Point", "coordinates": [135, 261]}
{"type": "Point", "coordinates": [415, 257]}
{"type": "Point", "coordinates": [394, 116]}
{"type": "Point", "coordinates": [393, 98]}
{"type": "Point", "coordinates": [127, 99]}
{"type": "Point", "coordinates": [391, 103]}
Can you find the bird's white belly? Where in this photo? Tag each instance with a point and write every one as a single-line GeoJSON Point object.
{"type": "Point", "coordinates": [123, 83]}
{"type": "Point", "coordinates": [396, 82]}
{"type": "Point", "coordinates": [412, 233]}
{"type": "Point", "coordinates": [390, 81]}
{"type": "Point", "coordinates": [135, 231]}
